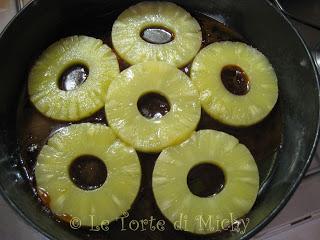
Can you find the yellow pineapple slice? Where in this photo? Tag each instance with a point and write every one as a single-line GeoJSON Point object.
{"type": "Point", "coordinates": [80, 101]}
{"type": "Point", "coordinates": [138, 126]}
{"type": "Point", "coordinates": [96, 203]}
{"type": "Point", "coordinates": [174, 197]}
{"type": "Point", "coordinates": [134, 43]}
{"type": "Point", "coordinates": [237, 84]}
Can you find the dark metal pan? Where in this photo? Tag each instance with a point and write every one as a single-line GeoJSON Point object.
{"type": "Point", "coordinates": [43, 21]}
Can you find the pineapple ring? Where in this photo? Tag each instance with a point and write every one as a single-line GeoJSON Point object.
{"type": "Point", "coordinates": [127, 40]}
{"type": "Point", "coordinates": [152, 135]}
{"type": "Point", "coordinates": [220, 103]}
{"type": "Point", "coordinates": [117, 192]}
{"type": "Point", "coordinates": [88, 97]}
{"type": "Point", "coordinates": [172, 193]}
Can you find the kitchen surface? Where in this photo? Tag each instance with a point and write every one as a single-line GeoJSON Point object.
{"type": "Point", "coordinates": [300, 219]}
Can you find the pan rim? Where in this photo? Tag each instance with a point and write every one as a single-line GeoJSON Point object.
{"type": "Point", "coordinates": [298, 180]}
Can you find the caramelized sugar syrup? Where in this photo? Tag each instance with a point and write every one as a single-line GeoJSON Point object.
{"type": "Point", "coordinates": [263, 140]}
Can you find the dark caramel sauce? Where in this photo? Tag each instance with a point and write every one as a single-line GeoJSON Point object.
{"type": "Point", "coordinates": [88, 172]}
{"type": "Point", "coordinates": [235, 80]}
{"type": "Point", "coordinates": [263, 140]}
{"type": "Point", "coordinates": [213, 31]}
{"type": "Point", "coordinates": [153, 105]}
{"type": "Point", "coordinates": [73, 77]}
{"type": "Point", "coordinates": [44, 197]}
{"type": "Point", "coordinates": [205, 180]}
{"type": "Point", "coordinates": [157, 35]}
{"type": "Point", "coordinates": [64, 217]}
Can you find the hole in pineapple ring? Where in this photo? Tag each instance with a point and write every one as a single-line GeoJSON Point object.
{"type": "Point", "coordinates": [235, 80]}
{"type": "Point", "coordinates": [157, 35]}
{"type": "Point", "coordinates": [73, 77]}
{"type": "Point", "coordinates": [88, 172]}
{"type": "Point", "coordinates": [153, 105]}
{"type": "Point", "coordinates": [205, 180]}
